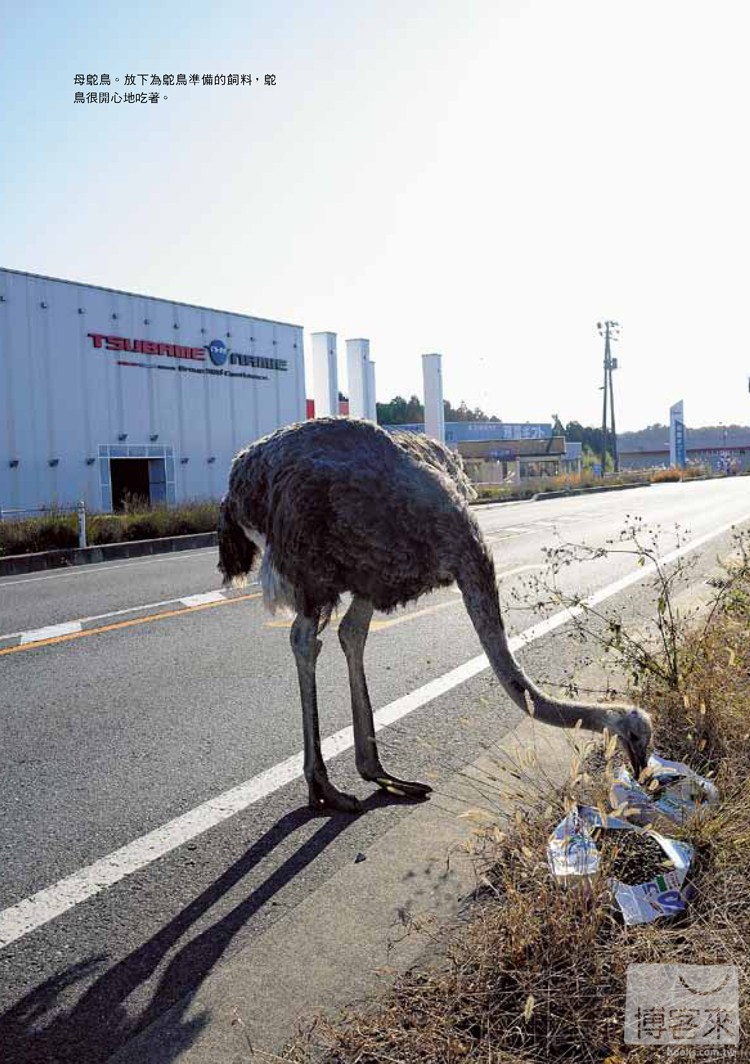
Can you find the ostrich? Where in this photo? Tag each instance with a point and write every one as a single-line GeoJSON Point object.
{"type": "Point", "coordinates": [339, 505]}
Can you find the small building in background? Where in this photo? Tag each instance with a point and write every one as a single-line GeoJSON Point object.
{"type": "Point", "coordinates": [502, 452]}
{"type": "Point", "coordinates": [513, 461]}
{"type": "Point", "coordinates": [465, 431]}
{"type": "Point", "coordinates": [732, 458]}
{"type": "Point", "coordinates": [343, 408]}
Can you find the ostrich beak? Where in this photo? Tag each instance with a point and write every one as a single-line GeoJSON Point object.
{"type": "Point", "coordinates": [638, 758]}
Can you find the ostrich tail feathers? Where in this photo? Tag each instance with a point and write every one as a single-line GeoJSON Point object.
{"type": "Point", "coordinates": [236, 551]}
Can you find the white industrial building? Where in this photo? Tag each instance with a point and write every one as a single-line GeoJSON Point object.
{"type": "Point", "coordinates": [104, 393]}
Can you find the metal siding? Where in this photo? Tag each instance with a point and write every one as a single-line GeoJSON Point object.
{"type": "Point", "coordinates": [62, 395]}
{"type": "Point", "coordinates": [262, 420]}
{"type": "Point", "coordinates": [133, 381]}
{"type": "Point", "coordinates": [30, 451]}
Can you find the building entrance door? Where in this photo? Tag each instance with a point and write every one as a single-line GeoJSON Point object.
{"type": "Point", "coordinates": [130, 481]}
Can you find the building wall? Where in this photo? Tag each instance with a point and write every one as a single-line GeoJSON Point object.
{"type": "Point", "coordinates": [467, 431]}
{"type": "Point", "coordinates": [66, 398]}
{"type": "Point", "coordinates": [718, 459]}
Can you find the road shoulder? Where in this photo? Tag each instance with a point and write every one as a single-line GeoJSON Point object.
{"type": "Point", "coordinates": [347, 941]}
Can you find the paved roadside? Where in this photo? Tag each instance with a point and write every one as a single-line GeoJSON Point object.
{"type": "Point", "coordinates": [347, 941]}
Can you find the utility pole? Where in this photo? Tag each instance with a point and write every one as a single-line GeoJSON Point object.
{"type": "Point", "coordinates": [610, 331]}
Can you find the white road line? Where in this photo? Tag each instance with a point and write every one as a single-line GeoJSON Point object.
{"type": "Point", "coordinates": [206, 596]}
{"type": "Point", "coordinates": [518, 569]}
{"type": "Point", "coordinates": [47, 904]}
{"type": "Point", "coordinates": [95, 567]}
{"type": "Point", "coordinates": [518, 529]}
{"type": "Point", "coordinates": [51, 631]}
{"type": "Point", "coordinates": [201, 600]}
{"type": "Point", "coordinates": [188, 600]}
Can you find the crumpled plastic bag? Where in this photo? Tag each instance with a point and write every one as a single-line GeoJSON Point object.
{"type": "Point", "coordinates": [572, 853]}
{"type": "Point", "coordinates": [684, 792]}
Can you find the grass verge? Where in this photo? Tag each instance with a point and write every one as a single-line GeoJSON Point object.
{"type": "Point", "coordinates": [586, 479]}
{"type": "Point", "coordinates": [57, 530]}
{"type": "Point", "coordinates": [538, 972]}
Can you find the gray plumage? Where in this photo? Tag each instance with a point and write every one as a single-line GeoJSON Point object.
{"type": "Point", "coordinates": [337, 505]}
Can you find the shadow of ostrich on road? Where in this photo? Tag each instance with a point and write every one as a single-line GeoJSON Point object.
{"type": "Point", "coordinates": [37, 1030]}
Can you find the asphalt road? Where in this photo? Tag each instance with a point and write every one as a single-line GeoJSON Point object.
{"type": "Point", "coordinates": [107, 735]}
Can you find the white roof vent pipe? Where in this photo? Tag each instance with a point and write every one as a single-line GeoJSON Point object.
{"type": "Point", "coordinates": [357, 360]}
{"type": "Point", "coordinates": [434, 413]}
{"type": "Point", "coordinates": [373, 413]}
{"type": "Point", "coordinates": [325, 374]}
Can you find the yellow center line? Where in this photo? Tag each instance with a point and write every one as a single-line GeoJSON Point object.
{"type": "Point", "coordinates": [376, 626]}
{"type": "Point", "coordinates": [125, 624]}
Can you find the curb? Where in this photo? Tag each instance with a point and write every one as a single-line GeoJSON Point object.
{"type": "Point", "coordinates": [499, 502]}
{"type": "Point", "coordinates": [19, 564]}
{"type": "Point", "coordinates": [540, 496]}
{"type": "Point", "coordinates": [562, 494]}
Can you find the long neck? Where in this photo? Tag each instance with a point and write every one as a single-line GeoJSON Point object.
{"type": "Point", "coordinates": [475, 575]}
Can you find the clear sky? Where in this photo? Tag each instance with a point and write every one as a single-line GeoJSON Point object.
{"type": "Point", "coordinates": [483, 178]}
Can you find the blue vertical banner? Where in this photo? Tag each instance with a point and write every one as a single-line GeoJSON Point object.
{"type": "Point", "coordinates": [677, 435]}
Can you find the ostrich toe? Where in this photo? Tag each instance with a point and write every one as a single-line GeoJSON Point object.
{"type": "Point", "coordinates": [403, 788]}
{"type": "Point", "coordinates": [323, 795]}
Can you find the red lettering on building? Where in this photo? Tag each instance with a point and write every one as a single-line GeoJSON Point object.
{"type": "Point", "coordinates": [146, 347]}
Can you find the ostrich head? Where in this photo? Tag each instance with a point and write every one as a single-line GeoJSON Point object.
{"type": "Point", "coordinates": [633, 728]}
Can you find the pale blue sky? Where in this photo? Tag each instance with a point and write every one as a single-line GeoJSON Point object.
{"type": "Point", "coordinates": [484, 179]}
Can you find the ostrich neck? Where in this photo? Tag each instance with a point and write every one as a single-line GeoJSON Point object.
{"type": "Point", "coordinates": [476, 578]}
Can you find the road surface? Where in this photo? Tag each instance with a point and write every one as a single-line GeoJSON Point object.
{"type": "Point", "coordinates": [152, 814]}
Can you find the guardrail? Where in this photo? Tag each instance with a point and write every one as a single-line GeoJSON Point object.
{"type": "Point", "coordinates": [80, 511]}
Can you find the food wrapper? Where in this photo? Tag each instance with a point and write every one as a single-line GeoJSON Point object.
{"type": "Point", "coordinates": [682, 792]}
{"type": "Point", "coordinates": [572, 854]}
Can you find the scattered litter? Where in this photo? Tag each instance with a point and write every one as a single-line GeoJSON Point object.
{"type": "Point", "coordinates": [678, 794]}
{"type": "Point", "coordinates": [360, 857]}
{"type": "Point", "coordinates": [653, 867]}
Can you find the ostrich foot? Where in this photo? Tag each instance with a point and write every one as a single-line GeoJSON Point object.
{"type": "Point", "coordinates": [402, 788]}
{"type": "Point", "coordinates": [323, 795]}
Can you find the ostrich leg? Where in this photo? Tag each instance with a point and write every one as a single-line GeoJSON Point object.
{"type": "Point", "coordinates": [353, 636]}
{"type": "Point", "coordinates": [306, 647]}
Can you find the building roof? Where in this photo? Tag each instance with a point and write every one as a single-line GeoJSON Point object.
{"type": "Point", "coordinates": [140, 295]}
{"type": "Point", "coordinates": [552, 446]}
{"type": "Point", "coordinates": [455, 431]}
{"type": "Point", "coordinates": [659, 451]}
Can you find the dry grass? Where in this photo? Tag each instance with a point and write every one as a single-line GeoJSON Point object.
{"type": "Point", "coordinates": [537, 973]}
{"type": "Point", "coordinates": [52, 531]}
{"type": "Point", "coordinates": [55, 530]}
{"type": "Point", "coordinates": [587, 479]}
